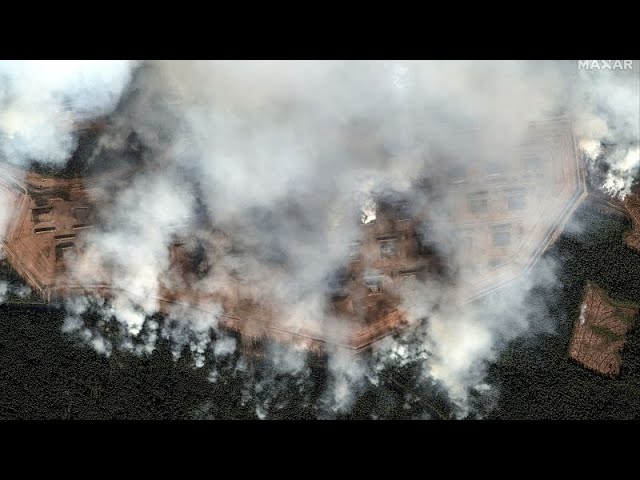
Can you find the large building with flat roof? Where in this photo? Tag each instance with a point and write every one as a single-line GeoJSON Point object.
{"type": "Point", "coordinates": [501, 214]}
{"type": "Point", "coordinates": [509, 211]}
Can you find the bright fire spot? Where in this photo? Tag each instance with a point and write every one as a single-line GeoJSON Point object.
{"type": "Point", "coordinates": [368, 212]}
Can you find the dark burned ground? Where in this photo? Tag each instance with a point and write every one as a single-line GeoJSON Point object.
{"type": "Point", "coordinates": [47, 374]}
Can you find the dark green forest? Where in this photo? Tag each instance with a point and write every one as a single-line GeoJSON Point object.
{"type": "Point", "coordinates": [46, 374]}
{"type": "Point", "coordinates": [535, 377]}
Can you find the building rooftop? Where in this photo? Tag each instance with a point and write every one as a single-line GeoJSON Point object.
{"type": "Point", "coordinates": [504, 215]}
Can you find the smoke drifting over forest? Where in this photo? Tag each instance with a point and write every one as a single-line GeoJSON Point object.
{"type": "Point", "coordinates": [279, 157]}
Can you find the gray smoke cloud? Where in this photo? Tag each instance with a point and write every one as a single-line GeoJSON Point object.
{"type": "Point", "coordinates": [6, 211]}
{"type": "Point", "coordinates": [280, 157]}
{"type": "Point", "coordinates": [39, 100]}
{"type": "Point", "coordinates": [607, 105]}
{"type": "Point", "coordinates": [458, 341]}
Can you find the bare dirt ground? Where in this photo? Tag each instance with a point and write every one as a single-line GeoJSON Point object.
{"type": "Point", "coordinates": [599, 332]}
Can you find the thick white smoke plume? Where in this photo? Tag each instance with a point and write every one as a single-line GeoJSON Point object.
{"type": "Point", "coordinates": [39, 100]}
{"type": "Point", "coordinates": [607, 105]}
{"type": "Point", "coordinates": [279, 158]}
{"type": "Point", "coordinates": [458, 342]}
